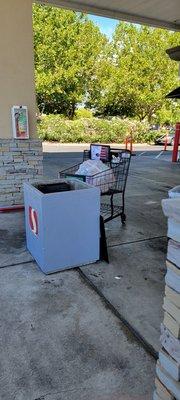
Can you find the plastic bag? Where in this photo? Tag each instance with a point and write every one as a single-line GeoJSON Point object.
{"type": "Point", "coordinates": [91, 167]}
{"type": "Point", "coordinates": [105, 178]}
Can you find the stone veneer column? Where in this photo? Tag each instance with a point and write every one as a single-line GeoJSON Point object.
{"type": "Point", "coordinates": [20, 160]}
{"type": "Point", "coordinates": [168, 366]}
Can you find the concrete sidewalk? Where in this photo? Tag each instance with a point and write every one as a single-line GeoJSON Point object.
{"type": "Point", "coordinates": [59, 341]}
{"type": "Point", "coordinates": [77, 334]}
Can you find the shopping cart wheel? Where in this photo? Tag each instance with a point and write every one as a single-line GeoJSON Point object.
{"type": "Point", "coordinates": [123, 218]}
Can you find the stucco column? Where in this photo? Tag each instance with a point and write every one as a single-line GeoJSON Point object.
{"type": "Point", "coordinates": [20, 160]}
{"type": "Point", "coordinates": [17, 63]}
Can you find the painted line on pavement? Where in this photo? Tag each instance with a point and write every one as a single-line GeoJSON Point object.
{"type": "Point", "coordinates": [161, 152]}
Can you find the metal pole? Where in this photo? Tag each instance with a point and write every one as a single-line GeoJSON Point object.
{"type": "Point", "coordinates": [126, 143]}
{"type": "Point", "coordinates": [176, 143]}
{"type": "Point", "coordinates": [131, 145]}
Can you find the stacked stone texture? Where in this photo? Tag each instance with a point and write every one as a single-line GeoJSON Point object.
{"type": "Point", "coordinates": [20, 160]}
{"type": "Point", "coordinates": [168, 365]}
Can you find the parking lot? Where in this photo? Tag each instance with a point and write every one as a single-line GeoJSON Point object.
{"type": "Point", "coordinates": [92, 332]}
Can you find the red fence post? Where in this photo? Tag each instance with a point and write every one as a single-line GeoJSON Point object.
{"type": "Point", "coordinates": [126, 143]}
{"type": "Point", "coordinates": [131, 145]}
{"type": "Point", "coordinates": [176, 143]}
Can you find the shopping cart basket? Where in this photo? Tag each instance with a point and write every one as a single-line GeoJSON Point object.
{"type": "Point", "coordinates": [111, 182]}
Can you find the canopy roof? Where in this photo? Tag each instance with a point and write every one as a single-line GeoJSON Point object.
{"type": "Point", "coordinates": [162, 13]}
{"type": "Point", "coordinates": [175, 94]}
{"type": "Point", "coordinates": [174, 53]}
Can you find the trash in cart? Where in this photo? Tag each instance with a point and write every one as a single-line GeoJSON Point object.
{"type": "Point", "coordinates": [107, 169]}
{"type": "Point", "coordinates": [90, 168]}
{"type": "Point", "coordinates": [62, 224]}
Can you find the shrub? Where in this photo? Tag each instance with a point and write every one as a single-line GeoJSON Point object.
{"type": "Point", "coordinates": [83, 113]}
{"type": "Point", "coordinates": [89, 130]}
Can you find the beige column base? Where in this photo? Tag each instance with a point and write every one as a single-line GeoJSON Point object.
{"type": "Point", "coordinates": [20, 160]}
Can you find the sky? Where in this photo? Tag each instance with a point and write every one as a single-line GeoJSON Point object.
{"type": "Point", "coordinates": [106, 25]}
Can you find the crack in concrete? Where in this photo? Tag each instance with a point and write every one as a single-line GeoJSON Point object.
{"type": "Point", "coordinates": [137, 241]}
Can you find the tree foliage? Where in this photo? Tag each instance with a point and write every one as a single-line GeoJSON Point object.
{"type": "Point", "coordinates": [66, 46]}
{"type": "Point", "coordinates": [134, 77]}
{"type": "Point", "coordinates": [127, 76]}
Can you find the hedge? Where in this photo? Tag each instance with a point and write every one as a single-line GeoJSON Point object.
{"type": "Point", "coordinates": [89, 130]}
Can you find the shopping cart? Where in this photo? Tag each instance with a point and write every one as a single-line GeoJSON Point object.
{"type": "Point", "coordinates": [111, 182]}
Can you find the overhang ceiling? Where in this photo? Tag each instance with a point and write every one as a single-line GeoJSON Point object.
{"type": "Point", "coordinates": [160, 13]}
{"type": "Point", "coordinates": [174, 53]}
{"type": "Point", "coordinates": [175, 94]}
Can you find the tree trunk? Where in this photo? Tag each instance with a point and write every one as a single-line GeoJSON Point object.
{"type": "Point", "coordinates": [72, 111]}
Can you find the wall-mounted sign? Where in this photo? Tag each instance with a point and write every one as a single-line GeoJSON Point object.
{"type": "Point", "coordinates": [20, 122]}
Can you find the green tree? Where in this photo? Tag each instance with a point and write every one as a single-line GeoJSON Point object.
{"type": "Point", "coordinates": [137, 74]}
{"type": "Point", "coordinates": [66, 46]}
